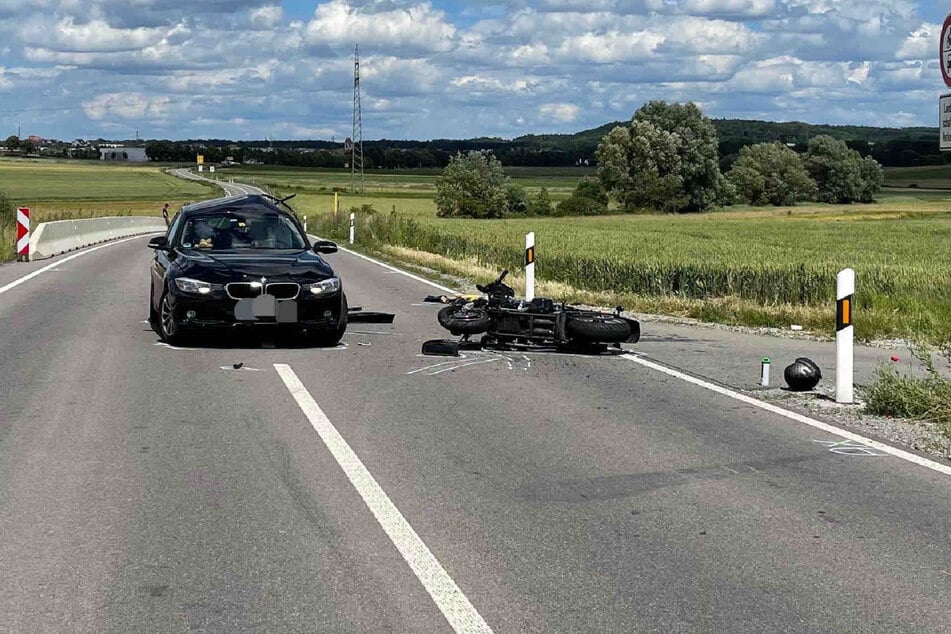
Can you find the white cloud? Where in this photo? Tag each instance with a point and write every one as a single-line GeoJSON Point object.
{"type": "Point", "coordinates": [416, 27]}
{"type": "Point", "coordinates": [95, 36]}
{"type": "Point", "coordinates": [266, 17]}
{"type": "Point", "coordinates": [563, 112]}
{"type": "Point", "coordinates": [126, 106]}
{"type": "Point", "coordinates": [495, 67]}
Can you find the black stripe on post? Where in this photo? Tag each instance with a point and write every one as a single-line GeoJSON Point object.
{"type": "Point", "coordinates": [844, 312]}
{"type": "Point", "coordinates": [529, 255]}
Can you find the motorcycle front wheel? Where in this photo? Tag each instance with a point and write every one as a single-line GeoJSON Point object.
{"type": "Point", "coordinates": [460, 320]}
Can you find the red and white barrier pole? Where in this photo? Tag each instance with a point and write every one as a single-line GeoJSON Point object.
{"type": "Point", "coordinates": [844, 336]}
{"type": "Point", "coordinates": [23, 234]}
{"type": "Point", "coordinates": [530, 266]}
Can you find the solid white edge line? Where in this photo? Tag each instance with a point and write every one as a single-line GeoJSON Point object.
{"type": "Point", "coordinates": [422, 280]}
{"type": "Point", "coordinates": [450, 600]}
{"type": "Point", "coordinates": [806, 420]}
{"type": "Point", "coordinates": [58, 261]}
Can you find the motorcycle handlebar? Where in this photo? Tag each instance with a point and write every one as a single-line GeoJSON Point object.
{"type": "Point", "coordinates": [485, 289]}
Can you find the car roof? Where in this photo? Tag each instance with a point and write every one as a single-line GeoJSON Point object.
{"type": "Point", "coordinates": [249, 201]}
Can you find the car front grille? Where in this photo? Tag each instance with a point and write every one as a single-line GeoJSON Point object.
{"type": "Point", "coordinates": [283, 290]}
{"type": "Point", "coordinates": [245, 290]}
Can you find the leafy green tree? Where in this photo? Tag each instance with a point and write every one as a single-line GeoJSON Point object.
{"type": "Point", "coordinates": [12, 143]}
{"type": "Point", "coordinates": [540, 204]}
{"type": "Point", "coordinates": [667, 159]}
{"type": "Point", "coordinates": [771, 174]}
{"type": "Point", "coordinates": [516, 198]}
{"type": "Point", "coordinates": [472, 186]}
{"type": "Point", "coordinates": [841, 174]}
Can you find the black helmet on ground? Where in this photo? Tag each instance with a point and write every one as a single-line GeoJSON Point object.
{"type": "Point", "coordinates": [803, 375]}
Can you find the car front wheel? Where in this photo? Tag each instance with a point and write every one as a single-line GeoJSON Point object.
{"type": "Point", "coordinates": [169, 329]}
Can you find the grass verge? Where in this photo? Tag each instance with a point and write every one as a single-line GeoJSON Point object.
{"type": "Point", "coordinates": [900, 395]}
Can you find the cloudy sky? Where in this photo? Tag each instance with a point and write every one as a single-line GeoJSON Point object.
{"type": "Point", "coordinates": [244, 69]}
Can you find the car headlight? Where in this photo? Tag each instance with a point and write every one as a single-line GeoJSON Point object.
{"type": "Point", "coordinates": [188, 285]}
{"type": "Point", "coordinates": [324, 287]}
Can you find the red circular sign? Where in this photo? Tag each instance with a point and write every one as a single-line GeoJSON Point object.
{"type": "Point", "coordinates": [945, 51]}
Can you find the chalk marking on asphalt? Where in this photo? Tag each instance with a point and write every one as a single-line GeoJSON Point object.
{"type": "Point", "coordinates": [849, 448]}
{"type": "Point", "coordinates": [231, 368]}
{"type": "Point", "coordinates": [461, 358]}
{"type": "Point", "coordinates": [58, 262]}
{"type": "Point", "coordinates": [806, 420]}
{"type": "Point", "coordinates": [422, 280]}
{"type": "Point", "coordinates": [464, 365]}
{"type": "Point", "coordinates": [373, 332]}
{"type": "Point", "coordinates": [455, 606]}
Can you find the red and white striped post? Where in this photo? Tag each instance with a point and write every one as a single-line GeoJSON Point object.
{"type": "Point", "coordinates": [23, 234]}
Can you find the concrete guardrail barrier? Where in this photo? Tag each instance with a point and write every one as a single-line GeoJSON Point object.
{"type": "Point", "coordinates": [60, 236]}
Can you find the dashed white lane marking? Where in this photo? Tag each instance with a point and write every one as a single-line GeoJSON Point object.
{"type": "Point", "coordinates": [59, 261]}
{"type": "Point", "coordinates": [806, 420]}
{"type": "Point", "coordinates": [450, 600]}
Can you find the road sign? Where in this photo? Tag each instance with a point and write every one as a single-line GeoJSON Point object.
{"type": "Point", "coordinates": [23, 233]}
{"type": "Point", "coordinates": [201, 157]}
{"type": "Point", "coordinates": [211, 168]}
{"type": "Point", "coordinates": [944, 122]}
{"type": "Point", "coordinates": [946, 51]}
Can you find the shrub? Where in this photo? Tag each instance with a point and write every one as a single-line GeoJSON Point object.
{"type": "Point", "coordinates": [516, 198]}
{"type": "Point", "coordinates": [8, 212]}
{"type": "Point", "coordinates": [588, 199]}
{"type": "Point", "coordinates": [540, 204]}
{"type": "Point", "coordinates": [912, 397]}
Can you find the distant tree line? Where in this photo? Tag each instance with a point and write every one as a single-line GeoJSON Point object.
{"type": "Point", "coordinates": [666, 159]}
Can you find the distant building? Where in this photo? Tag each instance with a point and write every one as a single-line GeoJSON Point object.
{"type": "Point", "coordinates": [123, 154]}
{"type": "Point", "coordinates": [36, 140]}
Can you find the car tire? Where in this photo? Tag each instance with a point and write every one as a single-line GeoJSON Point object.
{"type": "Point", "coordinates": [168, 327]}
{"type": "Point", "coordinates": [597, 328]}
{"type": "Point", "coordinates": [327, 338]}
{"type": "Point", "coordinates": [460, 320]}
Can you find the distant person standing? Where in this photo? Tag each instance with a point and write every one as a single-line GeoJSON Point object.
{"type": "Point", "coordinates": [165, 214]}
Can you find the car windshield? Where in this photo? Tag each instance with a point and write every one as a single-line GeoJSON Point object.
{"type": "Point", "coordinates": [241, 229]}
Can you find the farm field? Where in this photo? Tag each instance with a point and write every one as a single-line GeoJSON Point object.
{"type": "Point", "coordinates": [59, 190]}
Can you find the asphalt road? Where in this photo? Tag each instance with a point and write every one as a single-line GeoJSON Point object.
{"type": "Point", "coordinates": [146, 488]}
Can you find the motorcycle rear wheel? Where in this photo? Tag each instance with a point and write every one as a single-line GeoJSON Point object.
{"type": "Point", "coordinates": [597, 328]}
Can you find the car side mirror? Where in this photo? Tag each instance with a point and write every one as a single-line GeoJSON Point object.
{"type": "Point", "coordinates": [158, 242]}
{"type": "Point", "coordinates": [325, 246]}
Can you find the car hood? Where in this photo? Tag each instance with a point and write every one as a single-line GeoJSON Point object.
{"type": "Point", "coordinates": [231, 266]}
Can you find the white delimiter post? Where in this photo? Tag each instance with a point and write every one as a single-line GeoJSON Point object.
{"type": "Point", "coordinates": [352, 218]}
{"type": "Point", "coordinates": [530, 266]}
{"type": "Point", "coordinates": [844, 336]}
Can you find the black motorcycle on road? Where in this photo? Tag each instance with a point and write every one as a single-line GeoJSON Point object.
{"type": "Point", "coordinates": [505, 321]}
